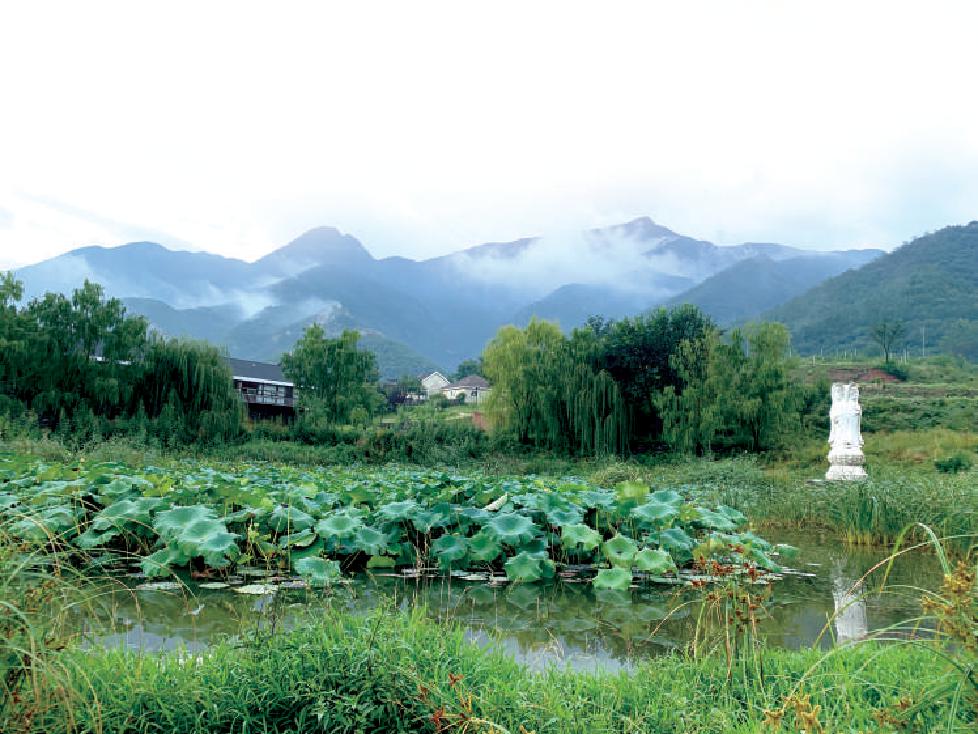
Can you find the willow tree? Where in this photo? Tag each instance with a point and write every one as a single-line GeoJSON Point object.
{"type": "Point", "coordinates": [188, 388]}
{"type": "Point", "coordinates": [546, 393]}
{"type": "Point", "coordinates": [335, 380]}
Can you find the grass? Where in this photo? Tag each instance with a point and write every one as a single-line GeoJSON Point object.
{"type": "Point", "coordinates": [395, 672]}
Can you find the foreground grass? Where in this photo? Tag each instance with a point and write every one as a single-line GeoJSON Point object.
{"type": "Point", "coordinates": [393, 672]}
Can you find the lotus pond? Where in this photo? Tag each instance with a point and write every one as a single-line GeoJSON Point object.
{"type": "Point", "coordinates": [551, 569]}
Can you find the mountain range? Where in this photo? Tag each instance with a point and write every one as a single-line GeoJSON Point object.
{"type": "Point", "coordinates": [929, 286]}
{"type": "Point", "coordinates": [422, 314]}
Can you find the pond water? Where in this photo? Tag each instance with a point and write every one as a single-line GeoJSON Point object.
{"type": "Point", "coordinates": [561, 623]}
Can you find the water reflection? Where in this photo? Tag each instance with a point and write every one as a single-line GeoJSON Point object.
{"type": "Point", "coordinates": [541, 624]}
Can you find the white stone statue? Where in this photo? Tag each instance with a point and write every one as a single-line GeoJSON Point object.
{"type": "Point", "coordinates": [846, 457]}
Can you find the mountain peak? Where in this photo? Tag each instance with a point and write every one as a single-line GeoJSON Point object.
{"type": "Point", "coordinates": [316, 247]}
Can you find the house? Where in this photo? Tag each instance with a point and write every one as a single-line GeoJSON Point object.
{"type": "Point", "coordinates": [471, 389]}
{"type": "Point", "coordinates": [433, 383]}
{"type": "Point", "coordinates": [263, 388]}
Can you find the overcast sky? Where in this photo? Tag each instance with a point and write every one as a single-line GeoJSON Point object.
{"type": "Point", "coordinates": [424, 127]}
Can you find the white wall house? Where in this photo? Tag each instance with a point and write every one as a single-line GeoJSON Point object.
{"type": "Point", "coordinates": [433, 383]}
{"type": "Point", "coordinates": [474, 388]}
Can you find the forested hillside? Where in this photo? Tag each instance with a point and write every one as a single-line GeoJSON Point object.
{"type": "Point", "coordinates": [747, 289]}
{"type": "Point", "coordinates": [930, 286]}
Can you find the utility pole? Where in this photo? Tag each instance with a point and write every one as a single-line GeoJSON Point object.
{"type": "Point", "coordinates": [923, 340]}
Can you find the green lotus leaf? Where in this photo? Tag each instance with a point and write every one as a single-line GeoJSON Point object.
{"type": "Point", "coordinates": [485, 547]}
{"type": "Point", "coordinates": [656, 514]}
{"type": "Point", "coordinates": [161, 562]}
{"type": "Point", "coordinates": [302, 539]}
{"type": "Point", "coordinates": [735, 516]}
{"type": "Point", "coordinates": [613, 578]}
{"type": "Point", "coordinates": [170, 523]}
{"type": "Point", "coordinates": [512, 528]}
{"type": "Point", "coordinates": [91, 539]}
{"type": "Point", "coordinates": [126, 512]}
{"type": "Point", "coordinates": [527, 567]}
{"type": "Point", "coordinates": [600, 499]}
{"type": "Point", "coordinates": [208, 538]}
{"type": "Point", "coordinates": [655, 561]}
{"type": "Point", "coordinates": [317, 570]}
{"type": "Point", "coordinates": [339, 525]}
{"type": "Point", "coordinates": [437, 517]}
{"type": "Point", "coordinates": [667, 497]}
{"type": "Point", "coordinates": [371, 541]}
{"type": "Point", "coordinates": [580, 537]}
{"type": "Point", "coordinates": [679, 544]}
{"type": "Point", "coordinates": [449, 549]}
{"type": "Point", "coordinates": [287, 519]}
{"type": "Point", "coordinates": [713, 520]}
{"type": "Point", "coordinates": [632, 490]}
{"type": "Point", "coordinates": [397, 511]}
{"type": "Point", "coordinates": [620, 550]}
{"type": "Point", "coordinates": [567, 516]}
{"type": "Point", "coordinates": [45, 525]}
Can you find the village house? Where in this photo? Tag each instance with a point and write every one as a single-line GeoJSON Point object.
{"type": "Point", "coordinates": [433, 383]}
{"type": "Point", "coordinates": [471, 389]}
{"type": "Point", "coordinates": [263, 388]}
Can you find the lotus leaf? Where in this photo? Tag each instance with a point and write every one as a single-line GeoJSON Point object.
{"type": "Point", "coordinates": [613, 578]}
{"type": "Point", "coordinates": [667, 497]}
{"type": "Point", "coordinates": [656, 561]}
{"type": "Point", "coordinates": [170, 523]}
{"type": "Point", "coordinates": [655, 513]}
{"type": "Point", "coordinates": [620, 550]}
{"type": "Point", "coordinates": [580, 537]}
{"type": "Point", "coordinates": [484, 547]}
{"type": "Point", "coordinates": [398, 511]}
{"type": "Point", "coordinates": [449, 549]}
{"type": "Point", "coordinates": [735, 516]}
{"type": "Point", "coordinates": [632, 490]}
{"type": "Point", "coordinates": [288, 519]}
{"type": "Point", "coordinates": [371, 541]}
{"type": "Point", "coordinates": [318, 571]}
{"type": "Point", "coordinates": [527, 567]}
{"type": "Point", "coordinates": [340, 525]}
{"type": "Point", "coordinates": [301, 539]}
{"type": "Point", "coordinates": [125, 512]}
{"type": "Point", "coordinates": [437, 517]}
{"type": "Point", "coordinates": [512, 528]}
{"type": "Point", "coordinates": [713, 520]}
{"type": "Point", "coordinates": [563, 517]}
{"type": "Point", "coordinates": [600, 499]}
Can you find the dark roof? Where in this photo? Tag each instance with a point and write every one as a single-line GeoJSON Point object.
{"type": "Point", "coordinates": [470, 381]}
{"type": "Point", "coordinates": [257, 370]}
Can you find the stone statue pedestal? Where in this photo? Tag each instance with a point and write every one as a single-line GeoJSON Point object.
{"type": "Point", "coordinates": [846, 457]}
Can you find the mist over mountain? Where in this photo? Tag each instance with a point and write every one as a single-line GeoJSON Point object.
{"type": "Point", "coordinates": [418, 314]}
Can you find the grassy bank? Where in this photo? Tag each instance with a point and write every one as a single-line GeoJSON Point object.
{"type": "Point", "coordinates": [399, 673]}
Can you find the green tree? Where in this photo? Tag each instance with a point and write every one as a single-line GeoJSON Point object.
{"type": "Point", "coordinates": [335, 381]}
{"type": "Point", "coordinates": [468, 367]}
{"type": "Point", "coordinates": [888, 334]}
{"type": "Point", "coordinates": [546, 392]}
{"type": "Point", "coordinates": [637, 353]}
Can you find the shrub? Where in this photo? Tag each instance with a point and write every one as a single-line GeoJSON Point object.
{"type": "Point", "coordinates": [953, 464]}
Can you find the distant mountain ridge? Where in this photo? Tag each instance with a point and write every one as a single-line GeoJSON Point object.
{"type": "Point", "coordinates": [416, 313]}
{"type": "Point", "coordinates": [929, 285]}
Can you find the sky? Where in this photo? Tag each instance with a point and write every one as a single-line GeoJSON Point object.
{"type": "Point", "coordinates": [423, 128]}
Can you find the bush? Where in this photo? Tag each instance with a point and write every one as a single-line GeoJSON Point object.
{"type": "Point", "coordinates": [953, 464]}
